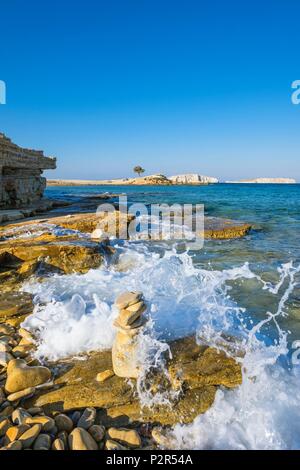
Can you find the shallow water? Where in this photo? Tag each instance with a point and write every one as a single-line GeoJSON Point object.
{"type": "Point", "coordinates": [247, 287]}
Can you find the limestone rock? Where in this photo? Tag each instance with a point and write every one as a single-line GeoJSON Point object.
{"type": "Point", "coordinates": [21, 181]}
{"type": "Point", "coordinates": [20, 376]}
{"type": "Point", "coordinates": [125, 356]}
{"type": "Point", "coordinates": [128, 437]}
{"type": "Point", "coordinates": [80, 439]}
{"type": "Point", "coordinates": [204, 370]}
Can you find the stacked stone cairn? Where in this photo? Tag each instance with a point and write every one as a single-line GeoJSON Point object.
{"type": "Point", "coordinates": [130, 321]}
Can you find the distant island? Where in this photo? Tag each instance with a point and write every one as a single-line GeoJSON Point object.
{"type": "Point", "coordinates": [266, 181]}
{"type": "Point", "coordinates": [190, 178]}
{"type": "Point", "coordinates": [159, 179]}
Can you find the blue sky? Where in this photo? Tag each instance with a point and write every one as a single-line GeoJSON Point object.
{"type": "Point", "coordinates": [176, 86]}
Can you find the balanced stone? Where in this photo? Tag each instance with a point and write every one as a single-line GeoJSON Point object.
{"type": "Point", "coordinates": [128, 298]}
{"type": "Point", "coordinates": [126, 317]}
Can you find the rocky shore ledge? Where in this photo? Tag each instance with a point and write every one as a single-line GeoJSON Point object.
{"type": "Point", "coordinates": [88, 404]}
{"type": "Point", "coordinates": [91, 402]}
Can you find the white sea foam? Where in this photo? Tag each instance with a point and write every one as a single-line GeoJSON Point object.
{"type": "Point", "coordinates": [75, 313]}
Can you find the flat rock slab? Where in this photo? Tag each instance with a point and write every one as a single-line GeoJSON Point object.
{"type": "Point", "coordinates": [200, 370]}
{"type": "Point", "coordinates": [219, 228]}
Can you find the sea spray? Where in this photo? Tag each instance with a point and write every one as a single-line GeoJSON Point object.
{"type": "Point", "coordinates": [263, 413]}
{"type": "Point", "coordinates": [75, 313]}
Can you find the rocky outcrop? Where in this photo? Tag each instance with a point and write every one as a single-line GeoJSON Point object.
{"type": "Point", "coordinates": [195, 372]}
{"type": "Point", "coordinates": [21, 183]}
{"type": "Point", "coordinates": [192, 178]}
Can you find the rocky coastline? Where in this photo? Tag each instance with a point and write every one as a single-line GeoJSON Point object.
{"type": "Point", "coordinates": [87, 403]}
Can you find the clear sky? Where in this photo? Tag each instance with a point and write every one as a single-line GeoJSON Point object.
{"type": "Point", "coordinates": [175, 86]}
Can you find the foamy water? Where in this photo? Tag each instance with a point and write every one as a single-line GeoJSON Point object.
{"type": "Point", "coordinates": [75, 313]}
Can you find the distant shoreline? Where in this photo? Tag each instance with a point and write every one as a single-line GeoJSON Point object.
{"type": "Point", "coordinates": [142, 182]}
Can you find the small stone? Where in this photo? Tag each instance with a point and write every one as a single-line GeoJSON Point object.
{"type": "Point", "coordinates": [80, 439]}
{"type": "Point", "coordinates": [75, 417]}
{"type": "Point", "coordinates": [5, 358]}
{"type": "Point", "coordinates": [21, 351]}
{"type": "Point", "coordinates": [127, 436]}
{"type": "Point", "coordinates": [42, 442]}
{"type": "Point", "coordinates": [26, 335]}
{"type": "Point", "coordinates": [14, 432]}
{"type": "Point", "coordinates": [15, 445]}
{"type": "Point", "coordinates": [35, 410]}
{"type": "Point", "coordinates": [87, 418]}
{"type": "Point", "coordinates": [105, 375]}
{"type": "Point", "coordinates": [126, 318]}
{"type": "Point", "coordinates": [2, 396]}
{"type": "Point", "coordinates": [6, 329]}
{"type": "Point", "coordinates": [5, 424]}
{"type": "Point", "coordinates": [113, 445]}
{"type": "Point", "coordinates": [47, 423]}
{"type": "Point", "coordinates": [22, 394]}
{"type": "Point", "coordinates": [21, 376]}
{"type": "Point", "coordinates": [63, 423]}
{"type": "Point", "coordinates": [132, 329]}
{"type": "Point", "coordinates": [138, 307]}
{"type": "Point", "coordinates": [58, 445]}
{"type": "Point", "coordinates": [63, 436]}
{"type": "Point", "coordinates": [7, 411]}
{"type": "Point", "coordinates": [97, 432]}
{"type": "Point", "coordinates": [128, 298]}
{"type": "Point", "coordinates": [5, 347]}
{"type": "Point", "coordinates": [19, 415]}
{"type": "Point", "coordinates": [162, 439]}
{"type": "Point", "coordinates": [8, 340]}
{"type": "Point", "coordinates": [29, 436]}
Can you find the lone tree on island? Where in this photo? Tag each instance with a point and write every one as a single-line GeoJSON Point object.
{"type": "Point", "coordinates": [139, 170]}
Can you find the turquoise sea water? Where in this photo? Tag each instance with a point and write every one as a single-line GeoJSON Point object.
{"type": "Point", "coordinates": [274, 212]}
{"type": "Point", "coordinates": [242, 295]}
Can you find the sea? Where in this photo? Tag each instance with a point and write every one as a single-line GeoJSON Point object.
{"type": "Point", "coordinates": [240, 295]}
